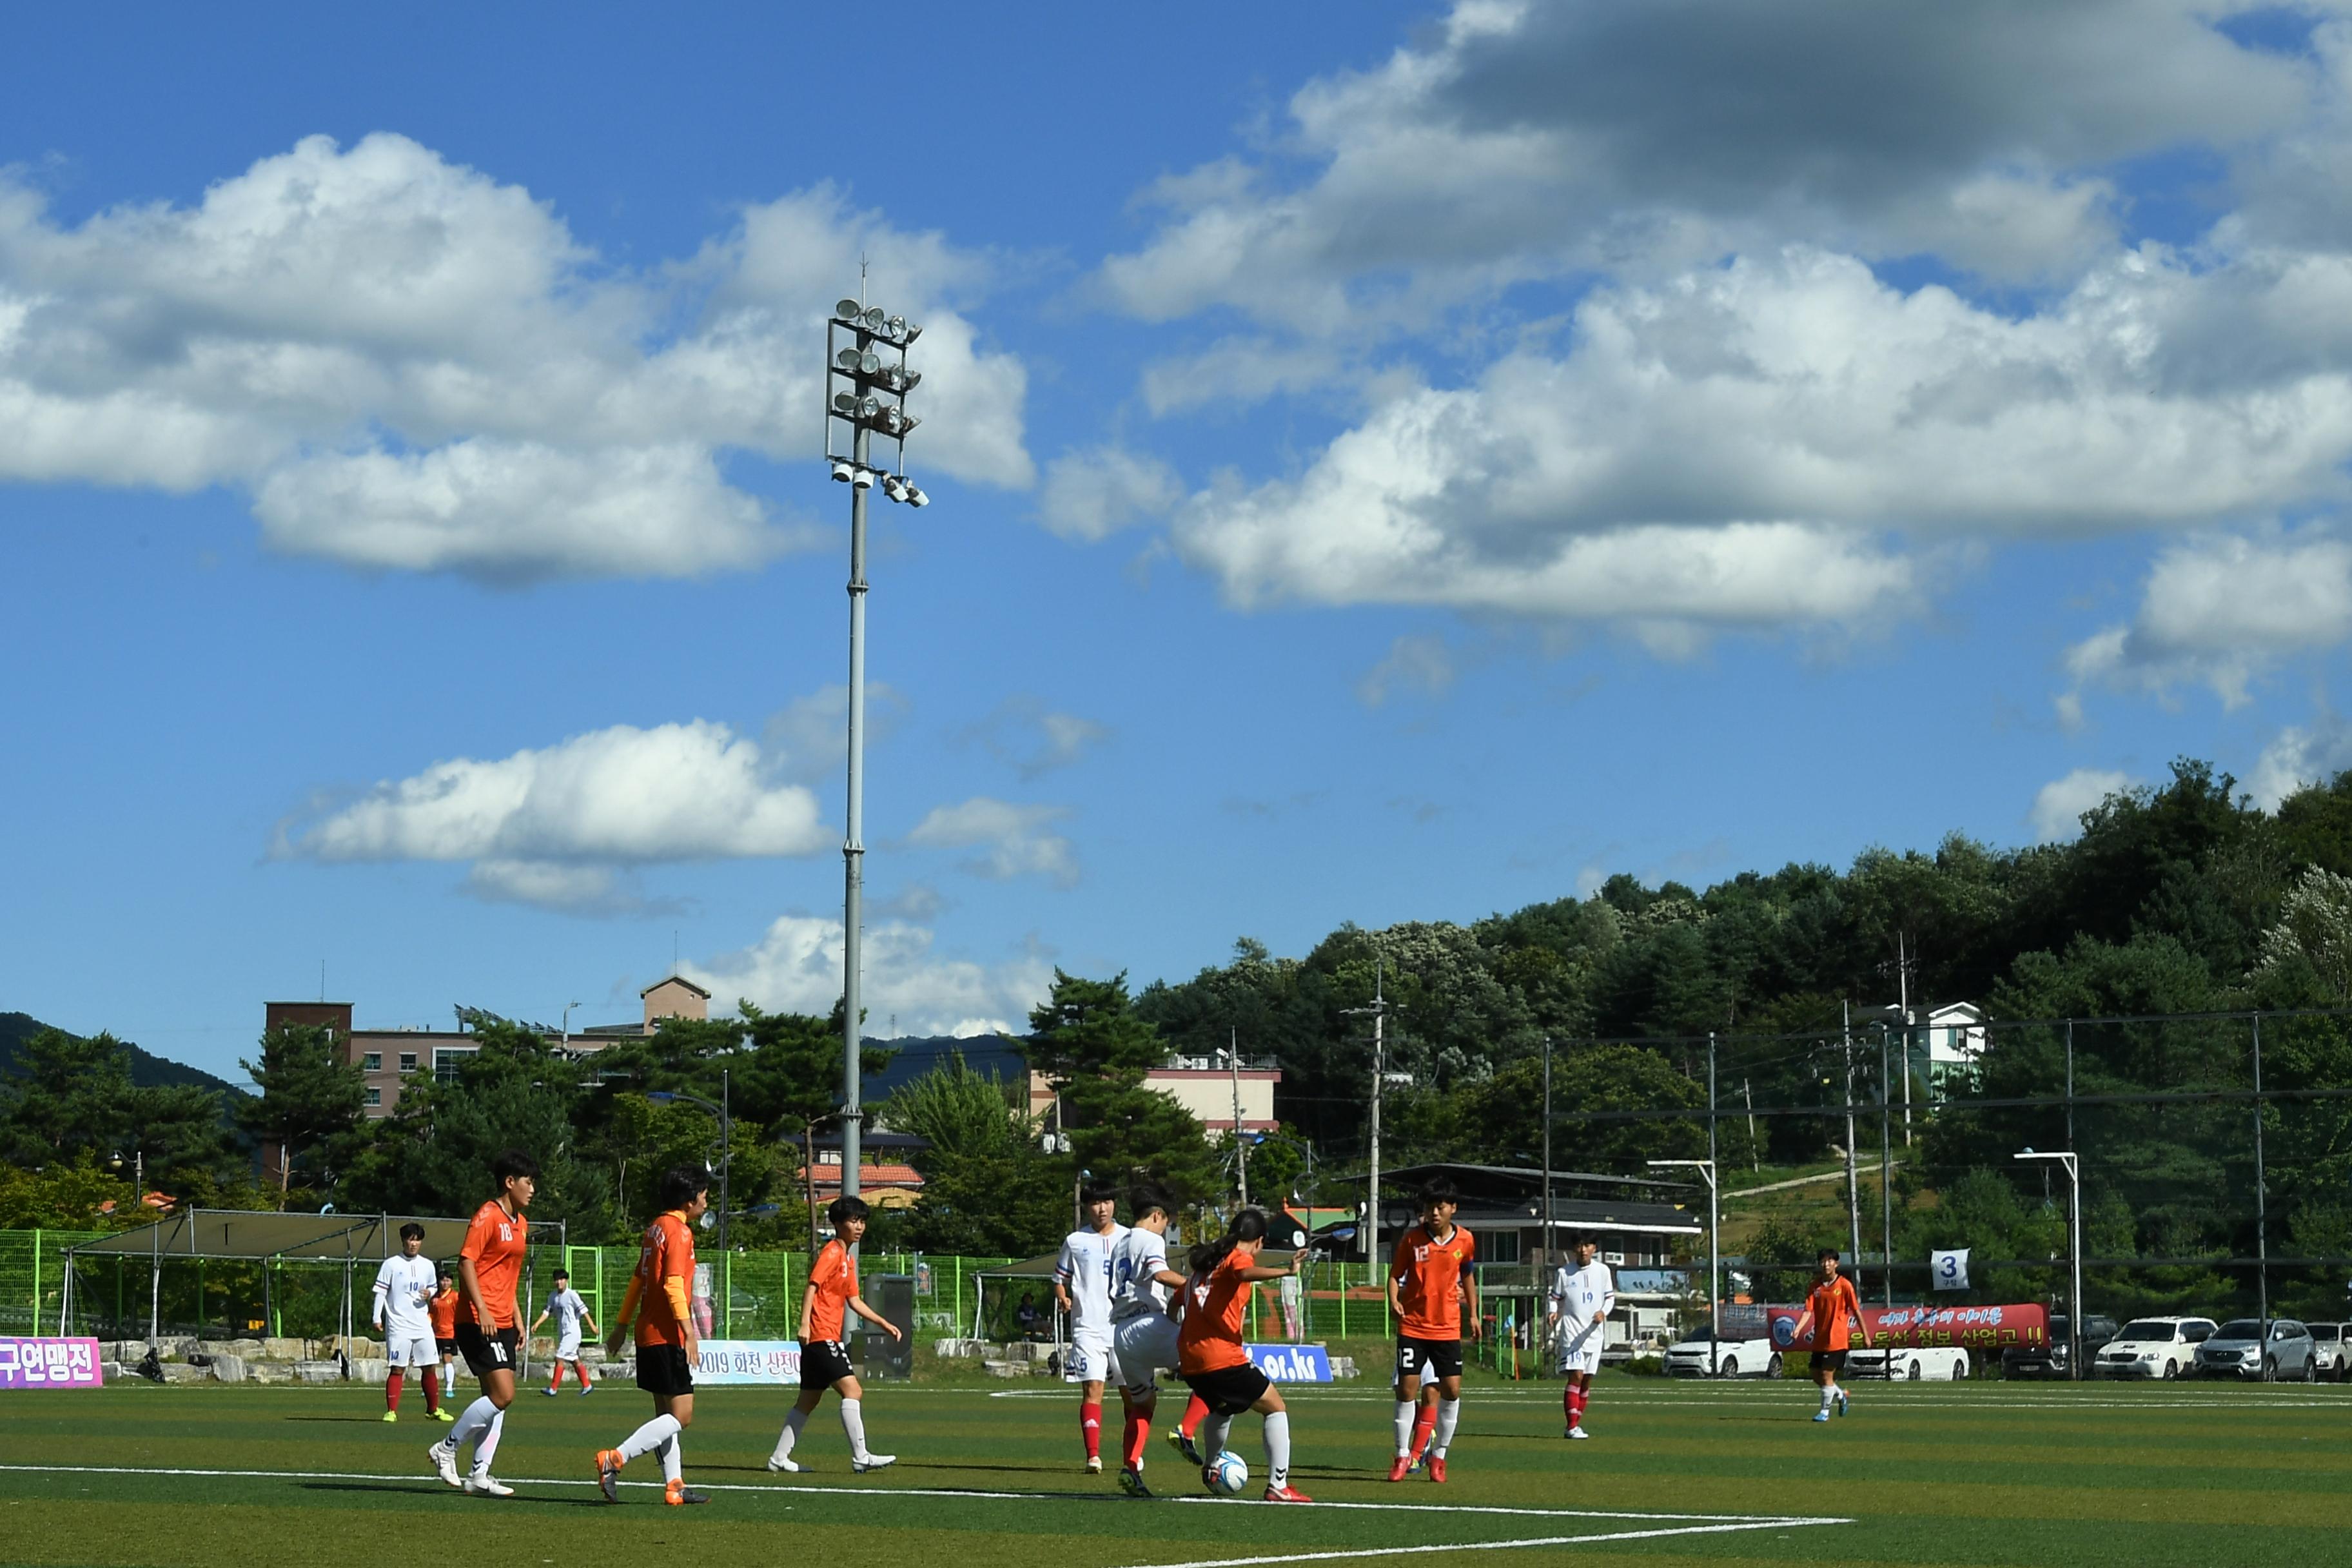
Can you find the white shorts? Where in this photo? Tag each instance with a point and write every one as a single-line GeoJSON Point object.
{"type": "Point", "coordinates": [1143, 1345]}
{"type": "Point", "coordinates": [1090, 1358]}
{"type": "Point", "coordinates": [1581, 1354]}
{"type": "Point", "coordinates": [568, 1348]}
{"type": "Point", "coordinates": [411, 1352]}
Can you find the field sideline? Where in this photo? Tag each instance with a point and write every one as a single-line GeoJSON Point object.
{"type": "Point", "coordinates": [1725, 1474]}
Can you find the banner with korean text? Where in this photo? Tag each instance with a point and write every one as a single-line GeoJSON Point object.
{"type": "Point", "coordinates": [1920, 1327]}
{"type": "Point", "coordinates": [48, 1363]}
{"type": "Point", "coordinates": [769, 1362]}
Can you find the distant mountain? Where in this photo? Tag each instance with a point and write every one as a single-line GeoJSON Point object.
{"type": "Point", "coordinates": [147, 1070]}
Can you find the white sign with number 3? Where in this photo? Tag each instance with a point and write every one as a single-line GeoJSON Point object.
{"type": "Point", "coordinates": [1951, 1269]}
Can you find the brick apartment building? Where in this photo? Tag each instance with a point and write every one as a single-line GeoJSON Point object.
{"type": "Point", "coordinates": [385, 1057]}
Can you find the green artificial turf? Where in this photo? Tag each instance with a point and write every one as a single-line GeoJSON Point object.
{"type": "Point", "coordinates": [1978, 1473]}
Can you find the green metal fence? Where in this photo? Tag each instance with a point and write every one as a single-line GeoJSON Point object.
{"type": "Point", "coordinates": [755, 1295]}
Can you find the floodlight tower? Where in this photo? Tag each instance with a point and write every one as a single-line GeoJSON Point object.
{"type": "Point", "coordinates": [867, 383]}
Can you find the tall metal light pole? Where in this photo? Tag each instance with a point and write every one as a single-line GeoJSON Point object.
{"type": "Point", "coordinates": [1241, 1148]}
{"type": "Point", "coordinates": [1380, 1011]}
{"type": "Point", "coordinates": [867, 394]}
{"type": "Point", "coordinates": [2075, 1250]}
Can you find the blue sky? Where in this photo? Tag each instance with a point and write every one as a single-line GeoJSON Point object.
{"type": "Point", "coordinates": [1390, 462]}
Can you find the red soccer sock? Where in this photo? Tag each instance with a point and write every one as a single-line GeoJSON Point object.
{"type": "Point", "coordinates": [1424, 1422]}
{"type": "Point", "coordinates": [1196, 1411]}
{"type": "Point", "coordinates": [1090, 1427]}
{"type": "Point", "coordinates": [392, 1390]}
{"type": "Point", "coordinates": [556, 1382]}
{"type": "Point", "coordinates": [579, 1371]}
{"type": "Point", "coordinates": [432, 1390]}
{"type": "Point", "coordinates": [1577, 1399]}
{"type": "Point", "coordinates": [1568, 1403]}
{"type": "Point", "coordinates": [1139, 1433]}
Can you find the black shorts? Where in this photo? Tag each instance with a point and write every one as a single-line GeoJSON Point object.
{"type": "Point", "coordinates": [1428, 1359]}
{"type": "Point", "coordinates": [664, 1370]}
{"type": "Point", "coordinates": [824, 1363]}
{"type": "Point", "coordinates": [488, 1353]}
{"type": "Point", "coordinates": [1229, 1390]}
{"type": "Point", "coordinates": [446, 1347]}
{"type": "Point", "coordinates": [1829, 1360]}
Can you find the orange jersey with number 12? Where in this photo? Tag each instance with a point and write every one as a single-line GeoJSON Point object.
{"type": "Point", "coordinates": [1429, 1282]}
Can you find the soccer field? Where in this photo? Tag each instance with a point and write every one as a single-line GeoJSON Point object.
{"type": "Point", "coordinates": [2147, 1476]}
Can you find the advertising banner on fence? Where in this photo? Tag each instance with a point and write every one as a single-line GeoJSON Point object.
{"type": "Point", "coordinates": [48, 1363]}
{"type": "Point", "coordinates": [1291, 1363]}
{"type": "Point", "coordinates": [767, 1361]}
{"type": "Point", "coordinates": [1972, 1328]}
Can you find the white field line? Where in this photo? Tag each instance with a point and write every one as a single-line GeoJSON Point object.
{"type": "Point", "coordinates": [1500, 1545]}
{"type": "Point", "coordinates": [1800, 1398]}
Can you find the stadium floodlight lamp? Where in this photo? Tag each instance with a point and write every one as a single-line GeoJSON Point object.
{"type": "Point", "coordinates": [910, 379]}
{"type": "Point", "coordinates": [842, 471]}
{"type": "Point", "coordinates": [848, 309]}
{"type": "Point", "coordinates": [894, 487]}
{"type": "Point", "coordinates": [917, 497]}
{"type": "Point", "coordinates": [845, 404]}
{"type": "Point", "coordinates": [863, 479]}
{"type": "Point", "coordinates": [859, 362]}
{"type": "Point", "coordinates": [874, 320]}
{"type": "Point", "coordinates": [908, 332]}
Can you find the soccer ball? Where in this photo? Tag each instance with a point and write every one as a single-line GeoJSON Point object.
{"type": "Point", "coordinates": [1227, 1474]}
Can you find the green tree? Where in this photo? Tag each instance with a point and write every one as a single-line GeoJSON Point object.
{"type": "Point", "coordinates": [1090, 1044]}
{"type": "Point", "coordinates": [312, 1098]}
{"type": "Point", "coordinates": [68, 1099]}
{"type": "Point", "coordinates": [987, 1189]}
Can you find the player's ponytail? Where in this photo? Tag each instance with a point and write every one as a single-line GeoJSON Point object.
{"type": "Point", "coordinates": [1248, 1225]}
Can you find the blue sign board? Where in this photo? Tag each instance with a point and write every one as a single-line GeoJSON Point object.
{"type": "Point", "coordinates": [1291, 1363]}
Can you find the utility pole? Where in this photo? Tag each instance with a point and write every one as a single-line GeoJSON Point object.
{"type": "Point", "coordinates": [1379, 1011]}
{"type": "Point", "coordinates": [1886, 1170]}
{"type": "Point", "coordinates": [2261, 1196]}
{"type": "Point", "coordinates": [1548, 1235]}
{"type": "Point", "coordinates": [1852, 1182]}
{"type": "Point", "coordinates": [1903, 980]}
{"type": "Point", "coordinates": [1755, 1155]}
{"type": "Point", "coordinates": [1240, 1146]}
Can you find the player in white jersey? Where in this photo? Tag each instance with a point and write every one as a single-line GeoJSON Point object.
{"type": "Point", "coordinates": [404, 1315]}
{"type": "Point", "coordinates": [1082, 1284]}
{"type": "Point", "coordinates": [1143, 1335]}
{"type": "Point", "coordinates": [1577, 1316]}
{"type": "Point", "coordinates": [569, 1311]}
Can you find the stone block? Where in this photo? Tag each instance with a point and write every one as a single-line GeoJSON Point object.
{"type": "Point", "coordinates": [314, 1371]}
{"type": "Point", "coordinates": [128, 1351]}
{"type": "Point", "coordinates": [1006, 1368]}
{"type": "Point", "coordinates": [269, 1372]}
{"type": "Point", "coordinates": [228, 1368]}
{"type": "Point", "coordinates": [181, 1372]}
{"type": "Point", "coordinates": [284, 1350]}
{"type": "Point", "coordinates": [371, 1369]}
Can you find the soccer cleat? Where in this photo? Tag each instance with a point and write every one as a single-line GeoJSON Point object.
{"type": "Point", "coordinates": [391, 1415]}
{"type": "Point", "coordinates": [1401, 1468]}
{"type": "Point", "coordinates": [442, 1414]}
{"type": "Point", "coordinates": [1578, 1432]}
{"type": "Point", "coordinates": [587, 1390]}
{"type": "Point", "coordinates": [487, 1485]}
{"type": "Point", "coordinates": [1287, 1494]}
{"type": "Point", "coordinates": [1437, 1469]}
{"type": "Point", "coordinates": [608, 1473]}
{"type": "Point", "coordinates": [676, 1495]}
{"type": "Point", "coordinates": [783, 1465]}
{"type": "Point", "coordinates": [1094, 1464]}
{"type": "Point", "coordinates": [1821, 1415]}
{"type": "Point", "coordinates": [549, 1392]}
{"type": "Point", "coordinates": [1841, 1402]}
{"type": "Point", "coordinates": [1130, 1481]}
{"type": "Point", "coordinates": [1184, 1445]}
{"type": "Point", "coordinates": [873, 1462]}
{"type": "Point", "coordinates": [445, 1462]}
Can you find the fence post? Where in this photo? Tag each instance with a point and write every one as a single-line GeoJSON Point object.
{"type": "Point", "coordinates": [2261, 1214]}
{"type": "Point", "coordinates": [36, 1279]}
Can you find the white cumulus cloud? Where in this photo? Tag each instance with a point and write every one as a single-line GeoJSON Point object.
{"type": "Point", "coordinates": [412, 365]}
{"type": "Point", "coordinates": [1014, 840]}
{"type": "Point", "coordinates": [1093, 494]}
{"type": "Point", "coordinates": [796, 965]}
{"type": "Point", "coordinates": [2059, 806]}
{"type": "Point", "coordinates": [2299, 756]}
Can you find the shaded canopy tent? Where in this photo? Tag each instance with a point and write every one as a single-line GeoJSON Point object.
{"type": "Point", "coordinates": [247, 1235]}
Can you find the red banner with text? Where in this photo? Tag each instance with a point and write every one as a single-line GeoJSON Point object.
{"type": "Point", "coordinates": [1914, 1328]}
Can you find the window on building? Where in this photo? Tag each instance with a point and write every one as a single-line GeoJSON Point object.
{"type": "Point", "coordinates": [372, 1061]}
{"type": "Point", "coordinates": [408, 1061]}
{"type": "Point", "coordinates": [374, 1096]}
{"type": "Point", "coordinates": [446, 1059]}
{"type": "Point", "coordinates": [1499, 1246]}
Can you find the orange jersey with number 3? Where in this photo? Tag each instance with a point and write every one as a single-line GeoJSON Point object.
{"type": "Point", "coordinates": [1429, 1282]}
{"type": "Point", "coordinates": [666, 1254]}
{"type": "Point", "coordinates": [1833, 1305]}
{"type": "Point", "coordinates": [834, 1279]}
{"type": "Point", "coordinates": [1209, 1338]}
{"type": "Point", "coordinates": [494, 1241]}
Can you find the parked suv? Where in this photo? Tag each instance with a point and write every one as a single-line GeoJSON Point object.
{"type": "Point", "coordinates": [2153, 1347]}
{"type": "Point", "coordinates": [2053, 1359]}
{"type": "Point", "coordinates": [2332, 1349]}
{"type": "Point", "coordinates": [2248, 1347]}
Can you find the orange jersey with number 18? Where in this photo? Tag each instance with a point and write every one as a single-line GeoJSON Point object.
{"type": "Point", "coordinates": [494, 1242]}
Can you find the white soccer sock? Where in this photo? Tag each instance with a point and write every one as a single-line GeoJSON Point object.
{"type": "Point", "coordinates": [1829, 1392]}
{"type": "Point", "coordinates": [1404, 1428]}
{"type": "Point", "coordinates": [853, 1421]}
{"type": "Point", "coordinates": [1277, 1450]}
{"type": "Point", "coordinates": [1213, 1432]}
{"type": "Point", "coordinates": [673, 1458]}
{"type": "Point", "coordinates": [485, 1446]}
{"type": "Point", "coordinates": [648, 1438]}
{"type": "Point", "coordinates": [793, 1421]}
{"type": "Point", "coordinates": [1449, 1415]}
{"type": "Point", "coordinates": [470, 1424]}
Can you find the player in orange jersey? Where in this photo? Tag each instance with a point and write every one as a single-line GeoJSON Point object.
{"type": "Point", "coordinates": [1211, 1358]}
{"type": "Point", "coordinates": [831, 1296]}
{"type": "Point", "coordinates": [1821, 1326]}
{"type": "Point", "coordinates": [1429, 1280]}
{"type": "Point", "coordinates": [444, 1338]}
{"type": "Point", "coordinates": [661, 1299]}
{"type": "Point", "coordinates": [488, 1334]}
